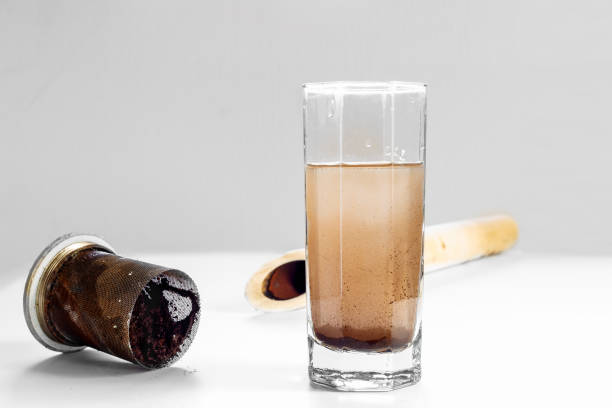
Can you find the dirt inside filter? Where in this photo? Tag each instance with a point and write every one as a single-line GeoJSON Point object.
{"type": "Point", "coordinates": [161, 322]}
{"type": "Point", "coordinates": [287, 281]}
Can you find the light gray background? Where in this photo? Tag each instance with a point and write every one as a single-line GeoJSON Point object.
{"type": "Point", "coordinates": [176, 125]}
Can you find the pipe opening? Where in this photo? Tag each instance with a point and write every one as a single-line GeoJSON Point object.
{"type": "Point", "coordinates": [163, 320]}
{"type": "Point", "coordinates": [286, 281]}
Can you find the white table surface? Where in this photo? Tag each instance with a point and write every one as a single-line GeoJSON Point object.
{"type": "Point", "coordinates": [512, 330]}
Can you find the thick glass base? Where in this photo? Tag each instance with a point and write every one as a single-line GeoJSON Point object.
{"type": "Point", "coordinates": [360, 371]}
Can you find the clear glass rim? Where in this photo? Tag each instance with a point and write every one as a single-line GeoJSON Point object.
{"type": "Point", "coordinates": [364, 87]}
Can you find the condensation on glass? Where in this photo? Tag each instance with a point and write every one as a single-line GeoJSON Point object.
{"type": "Point", "coordinates": [365, 176]}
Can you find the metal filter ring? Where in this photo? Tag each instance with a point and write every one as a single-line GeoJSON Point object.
{"type": "Point", "coordinates": [45, 264]}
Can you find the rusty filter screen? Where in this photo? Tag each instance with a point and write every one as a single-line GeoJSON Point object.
{"type": "Point", "coordinates": [140, 312]}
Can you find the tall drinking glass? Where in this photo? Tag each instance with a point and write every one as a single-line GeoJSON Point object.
{"type": "Point", "coordinates": [365, 176]}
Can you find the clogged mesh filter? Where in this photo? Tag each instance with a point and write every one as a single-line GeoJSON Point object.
{"type": "Point", "coordinates": [143, 313]}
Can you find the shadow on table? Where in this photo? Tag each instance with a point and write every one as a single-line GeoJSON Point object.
{"type": "Point", "coordinates": [477, 269]}
{"type": "Point", "coordinates": [290, 317]}
{"type": "Point", "coordinates": [86, 374]}
{"type": "Point", "coordinates": [413, 397]}
{"type": "Point", "coordinates": [84, 364]}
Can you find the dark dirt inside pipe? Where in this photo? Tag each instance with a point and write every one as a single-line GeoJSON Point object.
{"type": "Point", "coordinates": [287, 281]}
{"type": "Point", "coordinates": [162, 320]}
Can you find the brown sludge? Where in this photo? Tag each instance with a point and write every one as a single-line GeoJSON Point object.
{"type": "Point", "coordinates": [364, 237]}
{"type": "Point", "coordinates": [286, 282]}
{"type": "Point", "coordinates": [143, 313]}
{"type": "Point", "coordinates": [364, 252]}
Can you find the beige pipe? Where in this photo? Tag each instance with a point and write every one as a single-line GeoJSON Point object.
{"type": "Point", "coordinates": [279, 285]}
